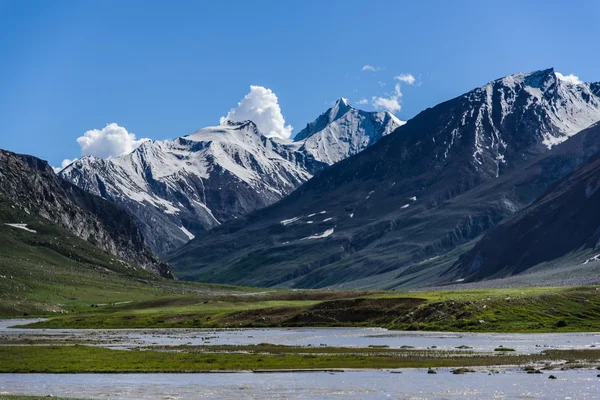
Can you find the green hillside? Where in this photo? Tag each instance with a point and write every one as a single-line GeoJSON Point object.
{"type": "Point", "coordinates": [51, 271]}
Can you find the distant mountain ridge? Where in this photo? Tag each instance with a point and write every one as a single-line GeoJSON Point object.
{"type": "Point", "coordinates": [177, 189]}
{"type": "Point", "coordinates": [30, 185]}
{"type": "Point", "coordinates": [391, 215]}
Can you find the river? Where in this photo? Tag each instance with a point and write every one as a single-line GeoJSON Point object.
{"type": "Point", "coordinates": [373, 384]}
{"type": "Point", "coordinates": [330, 337]}
{"type": "Point", "coordinates": [499, 383]}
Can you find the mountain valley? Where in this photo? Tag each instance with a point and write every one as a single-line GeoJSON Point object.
{"type": "Point", "coordinates": [356, 200]}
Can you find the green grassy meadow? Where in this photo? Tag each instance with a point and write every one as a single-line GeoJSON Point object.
{"type": "Point", "coordinates": [502, 310]}
{"type": "Point", "coordinates": [79, 359]}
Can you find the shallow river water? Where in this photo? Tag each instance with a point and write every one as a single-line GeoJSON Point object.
{"type": "Point", "coordinates": [339, 337]}
{"type": "Point", "coordinates": [373, 384]}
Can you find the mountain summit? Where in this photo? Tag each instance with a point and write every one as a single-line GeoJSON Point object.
{"type": "Point", "coordinates": [342, 131]}
{"type": "Point", "coordinates": [177, 189]}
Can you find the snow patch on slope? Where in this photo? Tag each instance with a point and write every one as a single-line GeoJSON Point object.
{"type": "Point", "coordinates": [21, 226]}
{"type": "Point", "coordinates": [325, 234]}
{"type": "Point", "coordinates": [289, 221]}
{"type": "Point", "coordinates": [187, 233]}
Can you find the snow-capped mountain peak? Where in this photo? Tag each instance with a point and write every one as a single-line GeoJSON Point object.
{"type": "Point", "coordinates": [226, 127]}
{"type": "Point", "coordinates": [340, 107]}
{"type": "Point", "coordinates": [569, 106]}
{"type": "Point", "coordinates": [532, 111]}
{"type": "Point", "coordinates": [537, 79]}
{"type": "Point", "coordinates": [344, 130]}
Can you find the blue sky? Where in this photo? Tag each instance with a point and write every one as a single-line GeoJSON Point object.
{"type": "Point", "coordinates": [165, 69]}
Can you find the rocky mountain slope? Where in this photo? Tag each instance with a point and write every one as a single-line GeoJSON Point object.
{"type": "Point", "coordinates": [177, 189]}
{"type": "Point", "coordinates": [563, 221]}
{"type": "Point", "coordinates": [29, 186]}
{"type": "Point", "coordinates": [392, 215]}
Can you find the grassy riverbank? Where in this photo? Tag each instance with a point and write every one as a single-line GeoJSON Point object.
{"type": "Point", "coordinates": [561, 309]}
{"type": "Point", "coordinates": [79, 359]}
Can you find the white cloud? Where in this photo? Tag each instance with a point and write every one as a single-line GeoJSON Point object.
{"type": "Point", "coordinates": [363, 101]}
{"type": "Point", "coordinates": [406, 78]}
{"type": "Point", "coordinates": [572, 79]}
{"type": "Point", "coordinates": [65, 163]}
{"type": "Point", "coordinates": [370, 68]}
{"type": "Point", "coordinates": [261, 106]}
{"type": "Point", "coordinates": [390, 103]}
{"type": "Point", "coordinates": [109, 142]}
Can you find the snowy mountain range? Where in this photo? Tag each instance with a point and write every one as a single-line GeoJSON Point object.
{"type": "Point", "coordinates": [177, 189]}
{"type": "Point", "coordinates": [396, 214]}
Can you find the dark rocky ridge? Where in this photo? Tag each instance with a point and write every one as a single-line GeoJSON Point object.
{"type": "Point", "coordinates": [564, 220]}
{"type": "Point", "coordinates": [31, 184]}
